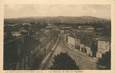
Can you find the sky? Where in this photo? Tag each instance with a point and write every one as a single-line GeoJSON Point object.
{"type": "Point", "coordinates": [31, 10]}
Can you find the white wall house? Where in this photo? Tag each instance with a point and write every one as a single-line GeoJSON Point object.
{"type": "Point", "coordinates": [71, 41]}
{"type": "Point", "coordinates": [103, 46]}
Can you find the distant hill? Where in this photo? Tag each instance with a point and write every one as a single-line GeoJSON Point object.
{"type": "Point", "coordinates": [63, 19]}
{"type": "Point", "coordinates": [83, 20]}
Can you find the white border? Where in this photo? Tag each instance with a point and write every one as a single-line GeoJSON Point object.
{"type": "Point", "coordinates": [66, 2]}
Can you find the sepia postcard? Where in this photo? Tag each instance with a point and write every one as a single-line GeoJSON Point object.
{"type": "Point", "coordinates": [57, 36]}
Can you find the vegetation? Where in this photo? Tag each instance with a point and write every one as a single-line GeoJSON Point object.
{"type": "Point", "coordinates": [105, 61]}
{"type": "Point", "coordinates": [63, 61]}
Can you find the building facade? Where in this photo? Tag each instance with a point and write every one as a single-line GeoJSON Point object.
{"type": "Point", "coordinates": [103, 46]}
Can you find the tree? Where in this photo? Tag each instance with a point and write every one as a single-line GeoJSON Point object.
{"type": "Point", "coordinates": [105, 61]}
{"type": "Point", "coordinates": [63, 61]}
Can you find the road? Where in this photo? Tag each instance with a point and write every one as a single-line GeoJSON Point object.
{"type": "Point", "coordinates": [83, 61]}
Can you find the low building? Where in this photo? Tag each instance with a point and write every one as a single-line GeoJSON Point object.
{"type": "Point", "coordinates": [16, 34]}
{"type": "Point", "coordinates": [86, 27]}
{"type": "Point", "coordinates": [103, 46]}
{"type": "Point", "coordinates": [71, 41]}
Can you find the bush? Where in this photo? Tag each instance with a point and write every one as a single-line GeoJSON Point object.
{"type": "Point", "coordinates": [63, 61]}
{"type": "Point", "coordinates": [105, 61]}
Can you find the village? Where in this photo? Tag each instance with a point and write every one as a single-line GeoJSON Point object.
{"type": "Point", "coordinates": [85, 40]}
{"type": "Point", "coordinates": [39, 45]}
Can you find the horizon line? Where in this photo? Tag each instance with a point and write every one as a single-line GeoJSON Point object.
{"type": "Point", "coordinates": [51, 16]}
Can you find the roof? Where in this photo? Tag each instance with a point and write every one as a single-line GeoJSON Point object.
{"type": "Point", "coordinates": [102, 38]}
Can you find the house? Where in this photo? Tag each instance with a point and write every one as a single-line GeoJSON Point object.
{"type": "Point", "coordinates": [103, 46]}
{"type": "Point", "coordinates": [71, 41]}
